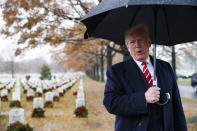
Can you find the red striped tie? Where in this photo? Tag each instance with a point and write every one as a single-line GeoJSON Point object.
{"type": "Point", "coordinates": [147, 74]}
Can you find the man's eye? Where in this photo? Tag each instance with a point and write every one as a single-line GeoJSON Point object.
{"type": "Point", "coordinates": [131, 42]}
{"type": "Point", "coordinates": [141, 41]}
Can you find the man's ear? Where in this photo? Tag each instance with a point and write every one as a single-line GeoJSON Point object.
{"type": "Point", "coordinates": [126, 45]}
{"type": "Point", "coordinates": [149, 42]}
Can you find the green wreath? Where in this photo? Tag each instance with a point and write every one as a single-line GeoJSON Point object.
{"type": "Point", "coordinates": [81, 112]}
{"type": "Point", "coordinates": [15, 103]}
{"type": "Point", "coordinates": [17, 126]}
{"type": "Point", "coordinates": [38, 112]}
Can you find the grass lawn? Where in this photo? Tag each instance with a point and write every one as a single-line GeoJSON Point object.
{"type": "Point", "coordinates": [190, 109]}
{"type": "Point", "coordinates": [184, 81]}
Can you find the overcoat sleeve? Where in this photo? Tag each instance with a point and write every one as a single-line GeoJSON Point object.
{"type": "Point", "coordinates": [118, 102]}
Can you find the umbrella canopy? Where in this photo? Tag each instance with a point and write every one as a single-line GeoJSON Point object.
{"type": "Point", "coordinates": [170, 22]}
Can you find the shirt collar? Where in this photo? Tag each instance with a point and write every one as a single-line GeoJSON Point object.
{"type": "Point", "coordinates": [139, 63]}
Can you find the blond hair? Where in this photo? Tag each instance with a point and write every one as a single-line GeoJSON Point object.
{"type": "Point", "coordinates": [140, 30]}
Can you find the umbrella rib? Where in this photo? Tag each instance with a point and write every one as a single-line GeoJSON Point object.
{"type": "Point", "coordinates": [137, 11]}
{"type": "Point", "coordinates": [167, 25]}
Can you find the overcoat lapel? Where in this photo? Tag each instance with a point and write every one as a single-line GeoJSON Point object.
{"type": "Point", "coordinates": [134, 76]}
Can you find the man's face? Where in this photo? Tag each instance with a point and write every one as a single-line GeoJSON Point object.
{"type": "Point", "coordinates": [138, 47]}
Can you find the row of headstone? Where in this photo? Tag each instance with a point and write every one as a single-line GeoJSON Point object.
{"type": "Point", "coordinates": [10, 85]}
{"type": "Point", "coordinates": [3, 85]}
{"type": "Point", "coordinates": [44, 86]}
{"type": "Point", "coordinates": [5, 88]}
{"type": "Point", "coordinates": [49, 97]}
{"type": "Point", "coordinates": [30, 92]}
{"type": "Point", "coordinates": [4, 92]}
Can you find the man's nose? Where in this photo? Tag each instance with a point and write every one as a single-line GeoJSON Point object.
{"type": "Point", "coordinates": [137, 44]}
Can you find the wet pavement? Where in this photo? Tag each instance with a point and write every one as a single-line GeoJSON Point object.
{"type": "Point", "coordinates": [187, 91]}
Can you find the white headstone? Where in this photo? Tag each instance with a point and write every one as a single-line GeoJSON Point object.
{"type": "Point", "coordinates": [39, 89]}
{"type": "Point", "coordinates": [16, 96]}
{"type": "Point", "coordinates": [0, 107]}
{"type": "Point", "coordinates": [80, 102]}
{"type": "Point", "coordinates": [66, 86]}
{"type": "Point", "coordinates": [81, 82]}
{"type": "Point", "coordinates": [17, 89]}
{"type": "Point", "coordinates": [60, 90]}
{"type": "Point", "coordinates": [1, 86]}
{"type": "Point", "coordinates": [8, 87]}
{"type": "Point", "coordinates": [26, 87]}
{"type": "Point", "coordinates": [80, 95]}
{"type": "Point", "coordinates": [49, 96]}
{"type": "Point", "coordinates": [38, 103]}
{"type": "Point", "coordinates": [56, 93]}
{"type": "Point", "coordinates": [45, 86]}
{"type": "Point", "coordinates": [16, 114]}
{"type": "Point", "coordinates": [30, 92]}
{"type": "Point", "coordinates": [4, 92]}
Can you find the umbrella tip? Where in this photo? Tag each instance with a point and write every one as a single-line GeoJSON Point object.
{"type": "Point", "coordinates": [126, 5]}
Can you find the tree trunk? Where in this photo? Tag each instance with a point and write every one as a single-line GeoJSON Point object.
{"type": "Point", "coordinates": [102, 65]}
{"type": "Point", "coordinates": [125, 56]}
{"type": "Point", "coordinates": [173, 59]}
{"type": "Point", "coordinates": [97, 72]}
{"type": "Point", "coordinates": [94, 72]}
{"type": "Point", "coordinates": [125, 52]}
{"type": "Point", "coordinates": [89, 74]}
{"type": "Point", "coordinates": [109, 57]}
{"type": "Point", "coordinates": [97, 68]}
{"type": "Point", "coordinates": [12, 68]}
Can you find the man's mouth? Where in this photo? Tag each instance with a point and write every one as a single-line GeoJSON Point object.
{"type": "Point", "coordinates": [139, 52]}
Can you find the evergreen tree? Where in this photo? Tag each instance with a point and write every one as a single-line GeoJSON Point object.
{"type": "Point", "coordinates": [45, 73]}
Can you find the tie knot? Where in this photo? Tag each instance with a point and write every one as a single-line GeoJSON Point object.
{"type": "Point", "coordinates": [144, 63]}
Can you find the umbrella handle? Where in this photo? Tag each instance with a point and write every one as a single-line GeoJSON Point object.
{"type": "Point", "coordinates": [167, 95]}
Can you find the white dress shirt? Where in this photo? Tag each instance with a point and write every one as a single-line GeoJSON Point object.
{"type": "Point", "coordinates": [149, 66]}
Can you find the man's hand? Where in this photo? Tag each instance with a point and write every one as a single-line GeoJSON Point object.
{"type": "Point", "coordinates": [152, 95]}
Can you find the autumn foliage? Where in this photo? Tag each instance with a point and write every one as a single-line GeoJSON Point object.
{"type": "Point", "coordinates": [54, 22]}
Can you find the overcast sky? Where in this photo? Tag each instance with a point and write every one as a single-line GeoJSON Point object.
{"type": "Point", "coordinates": [8, 47]}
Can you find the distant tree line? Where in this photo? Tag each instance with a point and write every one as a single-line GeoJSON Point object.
{"type": "Point", "coordinates": [30, 66]}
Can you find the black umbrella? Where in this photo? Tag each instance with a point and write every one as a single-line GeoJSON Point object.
{"type": "Point", "coordinates": [173, 21]}
{"type": "Point", "coordinates": [170, 22]}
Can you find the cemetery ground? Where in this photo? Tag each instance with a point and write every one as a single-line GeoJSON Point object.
{"type": "Point", "coordinates": [61, 118]}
